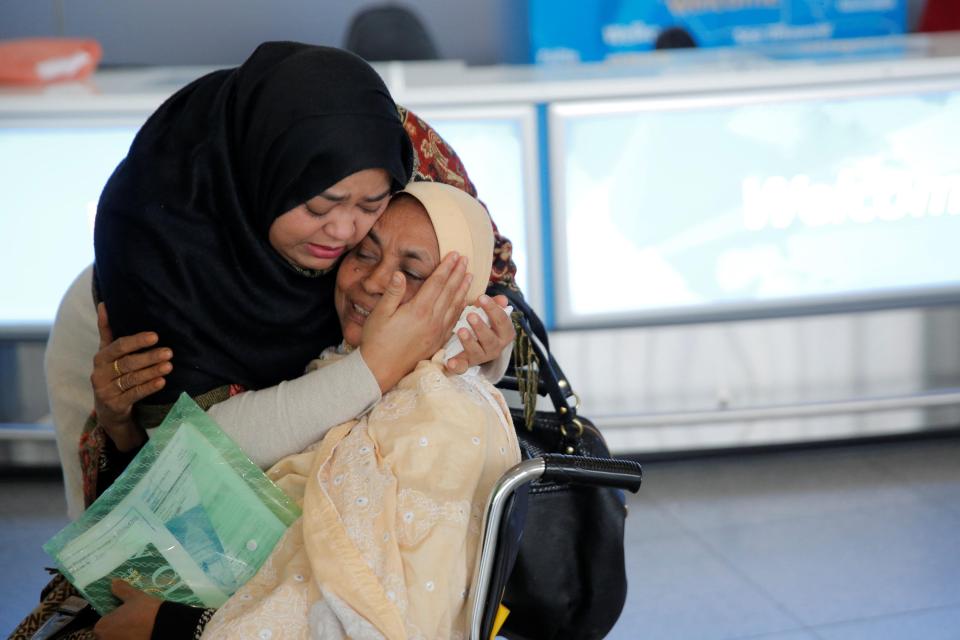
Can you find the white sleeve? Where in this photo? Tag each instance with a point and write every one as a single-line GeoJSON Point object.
{"type": "Point", "coordinates": [279, 421]}
{"type": "Point", "coordinates": [68, 361]}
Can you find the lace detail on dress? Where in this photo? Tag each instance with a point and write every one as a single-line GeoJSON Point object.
{"type": "Point", "coordinates": [417, 514]}
{"type": "Point", "coordinates": [469, 387]}
{"type": "Point", "coordinates": [356, 485]}
{"type": "Point", "coordinates": [395, 405]}
{"type": "Point", "coordinates": [274, 604]}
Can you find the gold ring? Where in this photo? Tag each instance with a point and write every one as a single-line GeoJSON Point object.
{"type": "Point", "coordinates": [120, 385]}
{"type": "Point", "coordinates": [116, 367]}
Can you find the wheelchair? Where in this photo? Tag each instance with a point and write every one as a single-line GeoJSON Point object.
{"type": "Point", "coordinates": [499, 528]}
{"type": "Point", "coordinates": [505, 514]}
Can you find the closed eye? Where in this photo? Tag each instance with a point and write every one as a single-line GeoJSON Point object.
{"type": "Point", "coordinates": [376, 207]}
{"type": "Point", "coordinates": [414, 275]}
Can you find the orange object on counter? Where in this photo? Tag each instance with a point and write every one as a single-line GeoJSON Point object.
{"type": "Point", "coordinates": [32, 61]}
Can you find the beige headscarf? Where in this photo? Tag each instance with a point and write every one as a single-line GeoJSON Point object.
{"type": "Point", "coordinates": [462, 225]}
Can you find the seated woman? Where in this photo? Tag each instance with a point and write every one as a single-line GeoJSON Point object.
{"type": "Point", "coordinates": [391, 502]}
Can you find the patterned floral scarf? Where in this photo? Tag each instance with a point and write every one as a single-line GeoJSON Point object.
{"type": "Point", "coordinates": [436, 161]}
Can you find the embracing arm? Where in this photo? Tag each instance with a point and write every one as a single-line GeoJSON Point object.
{"type": "Point", "coordinates": [267, 424]}
{"type": "Point", "coordinates": [282, 420]}
{"type": "Point", "coordinates": [278, 421]}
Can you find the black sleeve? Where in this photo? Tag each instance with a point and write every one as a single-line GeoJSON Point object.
{"type": "Point", "coordinates": [112, 463]}
{"type": "Point", "coordinates": [177, 621]}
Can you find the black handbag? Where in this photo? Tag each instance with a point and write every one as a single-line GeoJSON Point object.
{"type": "Point", "coordinates": [568, 579]}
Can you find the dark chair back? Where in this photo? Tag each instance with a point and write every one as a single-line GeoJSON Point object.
{"type": "Point", "coordinates": [389, 32]}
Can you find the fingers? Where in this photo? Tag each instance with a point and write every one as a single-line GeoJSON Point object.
{"type": "Point", "coordinates": [119, 397]}
{"type": "Point", "coordinates": [473, 351]}
{"type": "Point", "coordinates": [500, 322]}
{"type": "Point", "coordinates": [103, 326]}
{"type": "Point", "coordinates": [121, 347]}
{"type": "Point", "coordinates": [482, 338]}
{"type": "Point", "coordinates": [436, 285]}
{"type": "Point", "coordinates": [456, 305]}
{"type": "Point", "coordinates": [141, 383]}
{"type": "Point", "coordinates": [132, 620]}
{"type": "Point", "coordinates": [139, 361]}
{"type": "Point", "coordinates": [441, 298]}
{"type": "Point", "coordinates": [126, 372]}
{"type": "Point", "coordinates": [482, 344]}
{"type": "Point", "coordinates": [453, 287]}
{"type": "Point", "coordinates": [457, 365]}
{"type": "Point", "coordinates": [122, 589]}
{"type": "Point", "coordinates": [392, 295]}
{"type": "Point", "coordinates": [485, 342]}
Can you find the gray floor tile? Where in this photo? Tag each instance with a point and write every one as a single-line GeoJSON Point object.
{"type": "Point", "coordinates": [929, 468]}
{"type": "Point", "coordinates": [858, 564]}
{"type": "Point", "coordinates": [679, 589]}
{"type": "Point", "coordinates": [757, 489]}
{"type": "Point", "coordinates": [937, 624]}
{"type": "Point", "coordinates": [647, 519]}
{"type": "Point", "coordinates": [32, 497]}
{"type": "Point", "coordinates": [797, 634]}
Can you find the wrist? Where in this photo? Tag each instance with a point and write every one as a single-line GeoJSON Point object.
{"type": "Point", "coordinates": [384, 369]}
{"type": "Point", "coordinates": [126, 436]}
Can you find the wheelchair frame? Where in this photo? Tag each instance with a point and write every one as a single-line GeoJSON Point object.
{"type": "Point", "coordinates": [622, 474]}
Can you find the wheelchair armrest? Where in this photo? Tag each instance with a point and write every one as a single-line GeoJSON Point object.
{"type": "Point", "coordinates": [605, 472]}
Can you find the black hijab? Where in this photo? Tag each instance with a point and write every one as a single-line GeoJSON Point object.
{"type": "Point", "coordinates": [181, 235]}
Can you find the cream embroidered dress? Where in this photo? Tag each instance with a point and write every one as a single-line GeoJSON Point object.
{"type": "Point", "coordinates": [392, 507]}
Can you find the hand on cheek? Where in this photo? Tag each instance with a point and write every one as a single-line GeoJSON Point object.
{"type": "Point", "coordinates": [397, 336]}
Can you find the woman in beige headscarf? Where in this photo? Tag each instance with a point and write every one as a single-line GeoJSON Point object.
{"type": "Point", "coordinates": [392, 502]}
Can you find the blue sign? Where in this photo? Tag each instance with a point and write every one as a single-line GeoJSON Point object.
{"type": "Point", "coordinates": [590, 31]}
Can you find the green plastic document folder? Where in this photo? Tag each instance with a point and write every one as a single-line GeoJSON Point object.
{"type": "Point", "coordinates": [190, 520]}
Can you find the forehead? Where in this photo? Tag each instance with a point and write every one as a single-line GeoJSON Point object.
{"type": "Point", "coordinates": [406, 222]}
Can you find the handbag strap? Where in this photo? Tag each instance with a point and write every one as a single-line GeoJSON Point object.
{"type": "Point", "coordinates": [551, 381]}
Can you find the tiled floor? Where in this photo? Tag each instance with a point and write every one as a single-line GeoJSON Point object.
{"type": "Point", "coordinates": [836, 544]}
{"type": "Point", "coordinates": [843, 543]}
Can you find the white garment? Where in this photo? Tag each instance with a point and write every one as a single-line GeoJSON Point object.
{"type": "Point", "coordinates": [68, 362]}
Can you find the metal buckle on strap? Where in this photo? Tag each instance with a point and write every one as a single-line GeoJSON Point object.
{"type": "Point", "coordinates": [575, 422]}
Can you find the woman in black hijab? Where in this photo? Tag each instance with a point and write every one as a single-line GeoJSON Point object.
{"type": "Point", "coordinates": [184, 234]}
{"type": "Point", "coordinates": [220, 231]}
